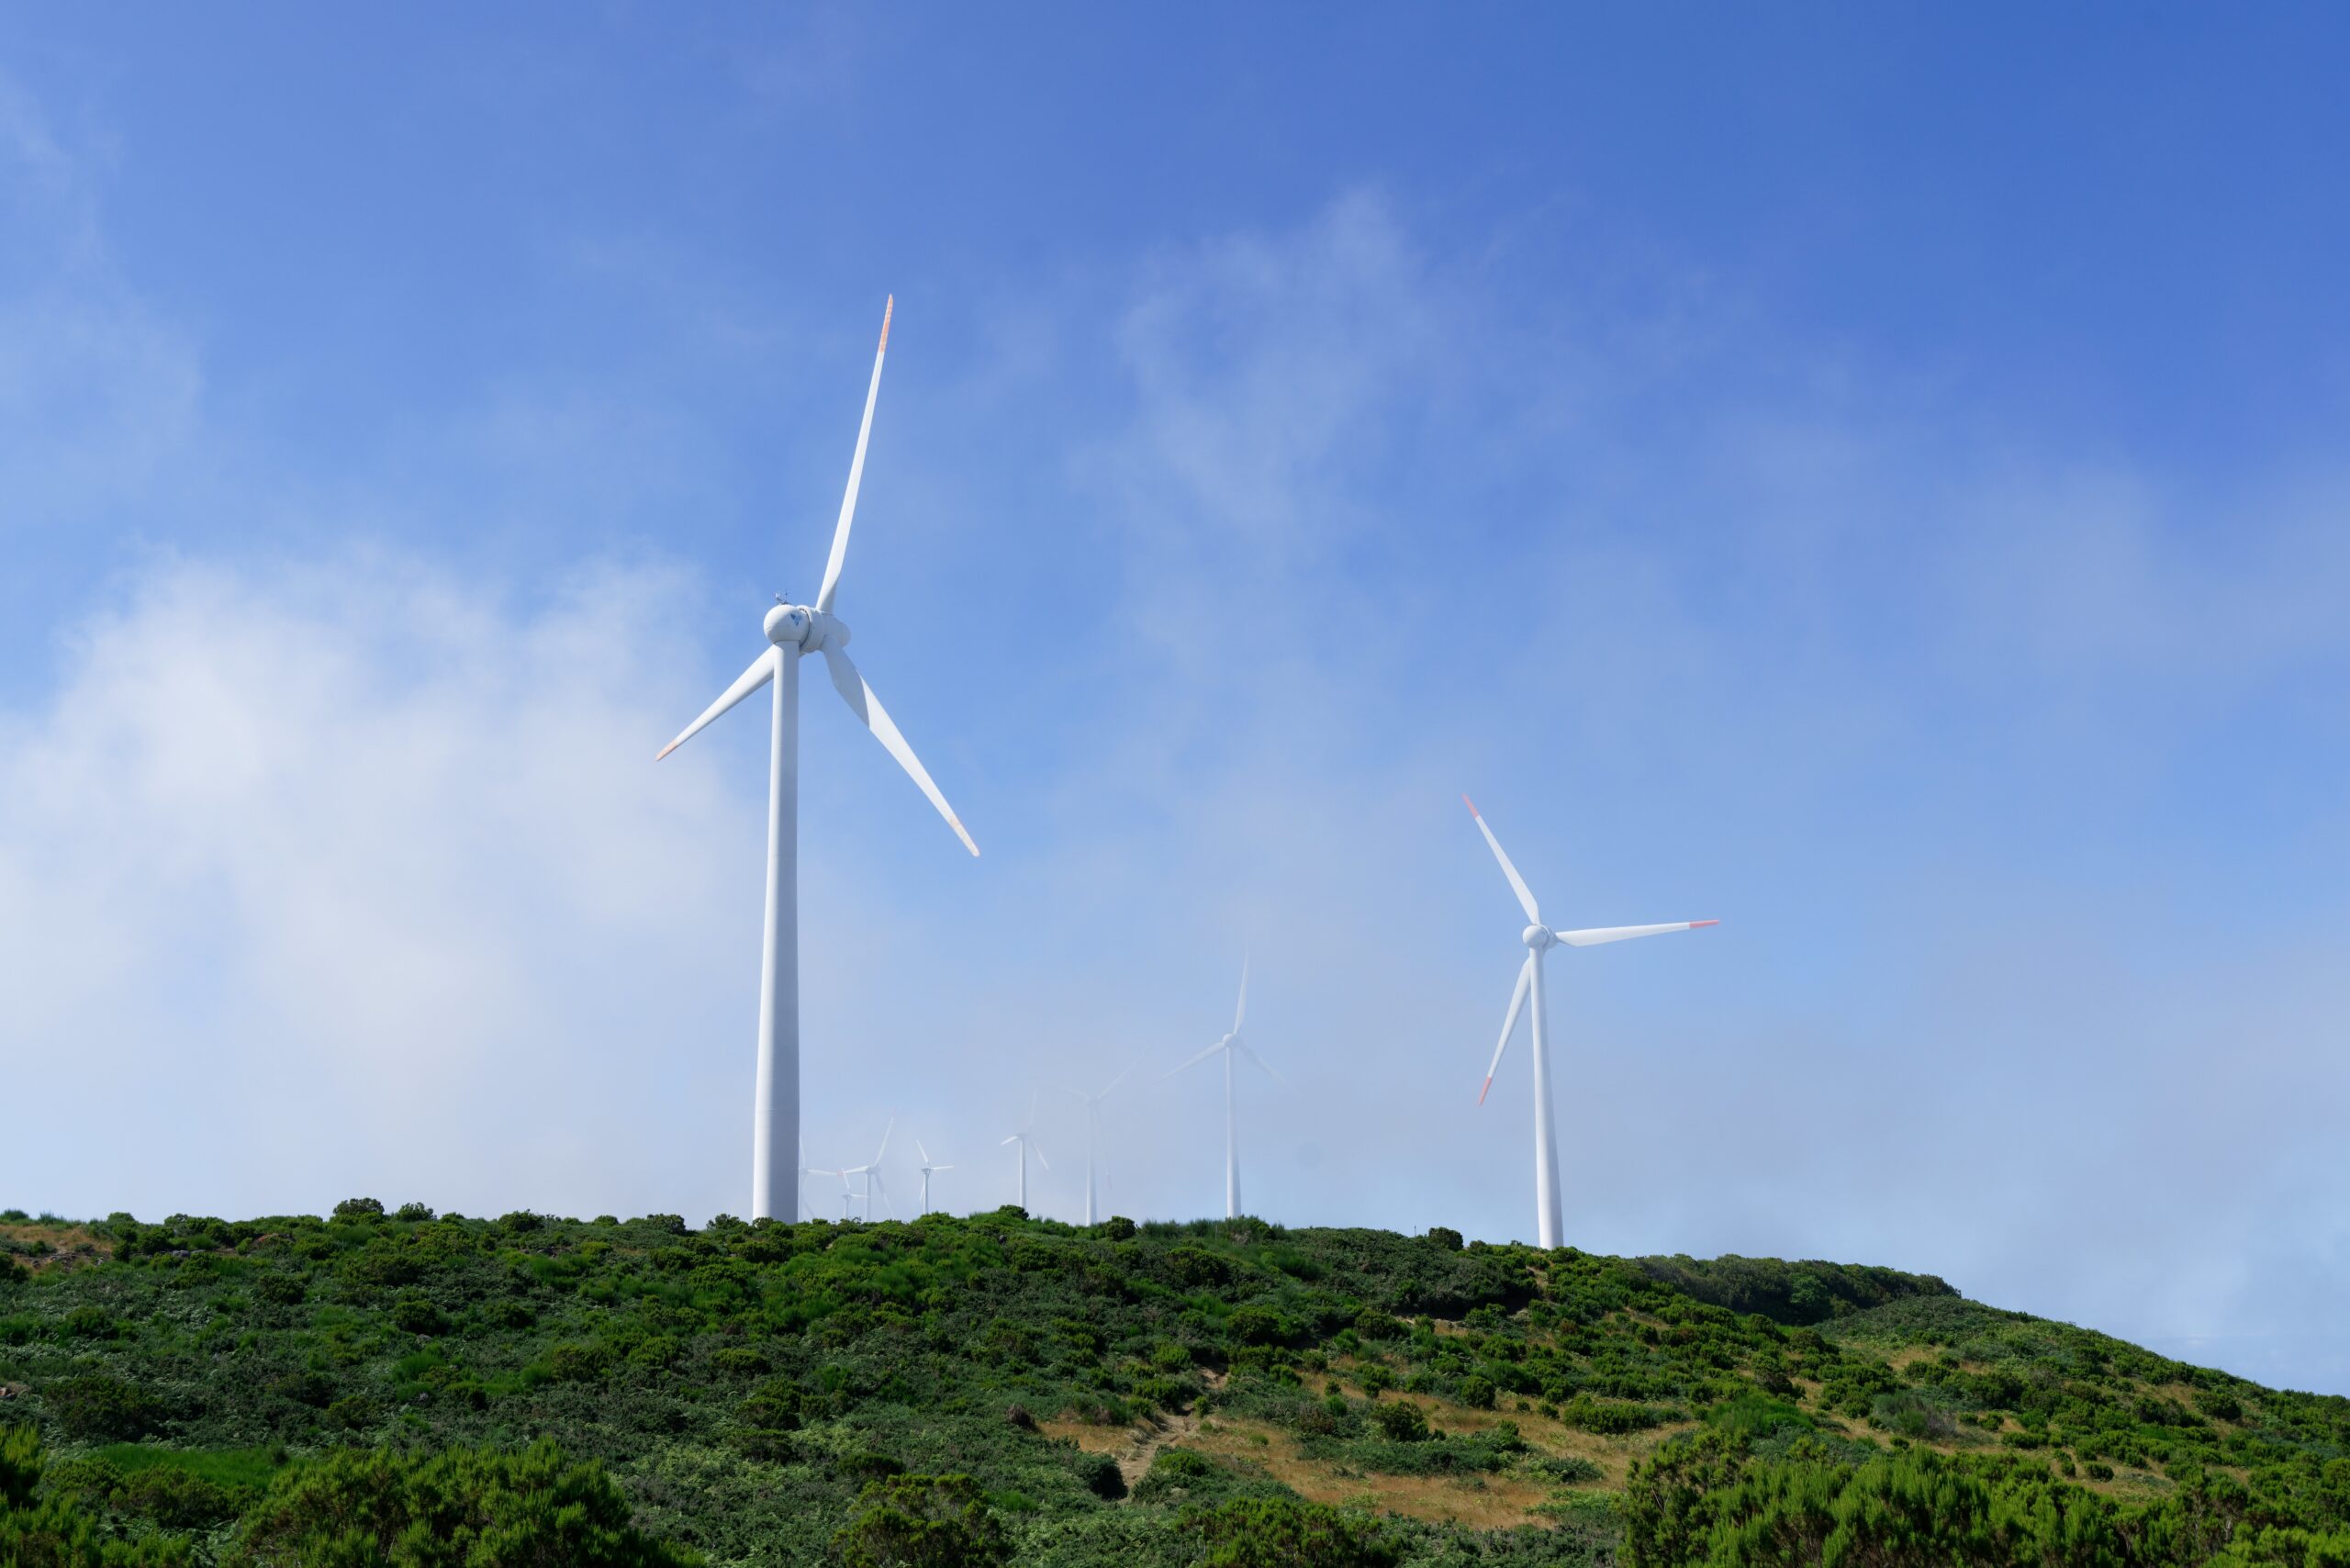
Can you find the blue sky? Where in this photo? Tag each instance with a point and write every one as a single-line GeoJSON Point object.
{"type": "Point", "coordinates": [1869, 475]}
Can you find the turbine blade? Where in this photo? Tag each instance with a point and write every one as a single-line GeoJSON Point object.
{"type": "Point", "coordinates": [1116, 1081]}
{"type": "Point", "coordinates": [923, 1152]}
{"type": "Point", "coordinates": [1242, 1010]}
{"type": "Point", "coordinates": [1243, 1047]}
{"type": "Point", "coordinates": [1601, 933]}
{"type": "Point", "coordinates": [867, 705]}
{"type": "Point", "coordinates": [856, 470]}
{"type": "Point", "coordinates": [885, 1140]}
{"type": "Point", "coordinates": [1040, 1156]}
{"type": "Point", "coordinates": [1193, 1062]}
{"type": "Point", "coordinates": [1509, 1024]}
{"type": "Point", "coordinates": [939, 1167]}
{"type": "Point", "coordinates": [1516, 882]}
{"type": "Point", "coordinates": [1013, 1138]}
{"type": "Point", "coordinates": [761, 670]}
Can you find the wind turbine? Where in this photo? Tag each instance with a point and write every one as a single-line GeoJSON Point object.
{"type": "Point", "coordinates": [1539, 939]}
{"type": "Point", "coordinates": [1026, 1138]}
{"type": "Point", "coordinates": [1094, 1132]}
{"type": "Point", "coordinates": [926, 1168]}
{"type": "Point", "coordinates": [1231, 1045]}
{"type": "Point", "coordinates": [846, 1194]}
{"type": "Point", "coordinates": [871, 1172]}
{"type": "Point", "coordinates": [795, 630]}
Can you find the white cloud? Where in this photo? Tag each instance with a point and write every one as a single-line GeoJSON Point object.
{"type": "Point", "coordinates": [352, 876]}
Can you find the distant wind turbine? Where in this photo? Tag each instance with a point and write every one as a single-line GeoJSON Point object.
{"type": "Point", "coordinates": [1092, 1104]}
{"type": "Point", "coordinates": [1026, 1138]}
{"type": "Point", "coordinates": [1231, 1045]}
{"type": "Point", "coordinates": [845, 1194]}
{"type": "Point", "coordinates": [1539, 939]}
{"type": "Point", "coordinates": [926, 1168]}
{"type": "Point", "coordinates": [796, 631]}
{"type": "Point", "coordinates": [871, 1172]}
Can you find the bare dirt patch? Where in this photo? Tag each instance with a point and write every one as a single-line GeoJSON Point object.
{"type": "Point", "coordinates": [1134, 1445]}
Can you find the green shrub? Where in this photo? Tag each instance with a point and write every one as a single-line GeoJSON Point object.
{"type": "Point", "coordinates": [921, 1521]}
{"type": "Point", "coordinates": [414, 1314]}
{"type": "Point", "coordinates": [20, 1465]}
{"type": "Point", "coordinates": [358, 1208]}
{"type": "Point", "coordinates": [738, 1362]}
{"type": "Point", "coordinates": [1255, 1325]}
{"type": "Point", "coordinates": [1607, 1418]}
{"type": "Point", "coordinates": [313, 1389]}
{"type": "Point", "coordinates": [98, 1408]}
{"type": "Point", "coordinates": [1286, 1533]}
{"type": "Point", "coordinates": [1402, 1421]}
{"type": "Point", "coordinates": [1572, 1470]}
{"type": "Point", "coordinates": [281, 1290]}
{"type": "Point", "coordinates": [1754, 1415]}
{"type": "Point", "coordinates": [458, 1508]}
{"type": "Point", "coordinates": [1102, 1476]}
{"type": "Point", "coordinates": [90, 1323]}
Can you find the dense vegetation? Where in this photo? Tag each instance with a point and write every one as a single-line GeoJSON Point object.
{"type": "Point", "coordinates": [405, 1388]}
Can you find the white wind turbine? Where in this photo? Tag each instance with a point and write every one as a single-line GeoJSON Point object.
{"type": "Point", "coordinates": [796, 631]}
{"type": "Point", "coordinates": [1539, 939]}
{"type": "Point", "coordinates": [1231, 1045]}
{"type": "Point", "coordinates": [1092, 1104]}
{"type": "Point", "coordinates": [1026, 1138]}
{"type": "Point", "coordinates": [871, 1172]}
{"type": "Point", "coordinates": [845, 1194]}
{"type": "Point", "coordinates": [926, 1168]}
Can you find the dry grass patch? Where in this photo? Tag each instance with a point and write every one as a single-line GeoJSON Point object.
{"type": "Point", "coordinates": [71, 1246]}
{"type": "Point", "coordinates": [1483, 1502]}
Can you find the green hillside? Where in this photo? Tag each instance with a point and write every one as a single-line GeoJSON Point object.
{"type": "Point", "coordinates": [404, 1388]}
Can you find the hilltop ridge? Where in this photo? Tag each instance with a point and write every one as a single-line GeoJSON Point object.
{"type": "Point", "coordinates": [999, 1388]}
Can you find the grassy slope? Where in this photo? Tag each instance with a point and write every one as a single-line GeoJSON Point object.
{"type": "Point", "coordinates": [744, 1383]}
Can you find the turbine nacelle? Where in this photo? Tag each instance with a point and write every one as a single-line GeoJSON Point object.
{"type": "Point", "coordinates": [1539, 938]}
{"type": "Point", "coordinates": [810, 631]}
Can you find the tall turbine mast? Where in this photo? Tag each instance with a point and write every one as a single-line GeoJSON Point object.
{"type": "Point", "coordinates": [1230, 1046]}
{"type": "Point", "coordinates": [871, 1172]}
{"type": "Point", "coordinates": [1092, 1104]}
{"type": "Point", "coordinates": [1026, 1138]}
{"type": "Point", "coordinates": [926, 1168]}
{"type": "Point", "coordinates": [1539, 939]}
{"type": "Point", "coordinates": [796, 631]}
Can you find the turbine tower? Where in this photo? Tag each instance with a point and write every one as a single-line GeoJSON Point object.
{"type": "Point", "coordinates": [926, 1168]}
{"type": "Point", "coordinates": [871, 1172]}
{"type": "Point", "coordinates": [795, 630]}
{"type": "Point", "coordinates": [1025, 1138]}
{"type": "Point", "coordinates": [1092, 1104]}
{"type": "Point", "coordinates": [1232, 1044]}
{"type": "Point", "coordinates": [1539, 939]}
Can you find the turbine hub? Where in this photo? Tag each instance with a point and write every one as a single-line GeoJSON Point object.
{"type": "Point", "coordinates": [1539, 937]}
{"type": "Point", "coordinates": [786, 625]}
{"type": "Point", "coordinates": [825, 629]}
